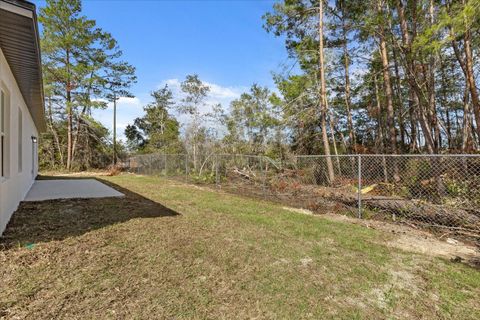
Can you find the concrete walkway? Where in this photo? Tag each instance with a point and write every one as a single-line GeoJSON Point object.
{"type": "Point", "coordinates": [68, 189]}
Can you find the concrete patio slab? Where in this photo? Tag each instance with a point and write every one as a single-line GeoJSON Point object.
{"type": "Point", "coordinates": [69, 189]}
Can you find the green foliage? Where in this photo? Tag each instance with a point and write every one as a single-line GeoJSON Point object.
{"type": "Point", "coordinates": [253, 120]}
{"type": "Point", "coordinates": [300, 112]}
{"type": "Point", "coordinates": [79, 58]}
{"type": "Point", "coordinates": [157, 130]}
{"type": "Point", "coordinates": [81, 72]}
{"type": "Point", "coordinates": [94, 149]}
{"type": "Point", "coordinates": [196, 92]}
{"type": "Point", "coordinates": [453, 22]}
{"type": "Point", "coordinates": [194, 101]}
{"type": "Point", "coordinates": [206, 177]}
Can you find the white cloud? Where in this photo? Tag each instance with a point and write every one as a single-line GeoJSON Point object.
{"type": "Point", "coordinates": [129, 101]}
{"type": "Point", "coordinates": [218, 94]}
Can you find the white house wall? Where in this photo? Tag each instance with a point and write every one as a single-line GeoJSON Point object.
{"type": "Point", "coordinates": [14, 188]}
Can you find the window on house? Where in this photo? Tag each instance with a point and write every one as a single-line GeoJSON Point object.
{"type": "Point", "coordinates": [20, 140]}
{"type": "Point", "coordinates": [2, 133]}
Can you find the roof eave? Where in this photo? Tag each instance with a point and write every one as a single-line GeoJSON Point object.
{"type": "Point", "coordinates": [22, 15]}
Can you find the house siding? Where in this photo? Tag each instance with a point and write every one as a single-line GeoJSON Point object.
{"type": "Point", "coordinates": [15, 186]}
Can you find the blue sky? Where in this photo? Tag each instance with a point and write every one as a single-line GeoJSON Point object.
{"type": "Point", "coordinates": [222, 41]}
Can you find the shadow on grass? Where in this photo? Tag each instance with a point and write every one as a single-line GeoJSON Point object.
{"type": "Point", "coordinates": [43, 221]}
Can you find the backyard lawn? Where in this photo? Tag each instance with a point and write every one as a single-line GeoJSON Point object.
{"type": "Point", "coordinates": [171, 250]}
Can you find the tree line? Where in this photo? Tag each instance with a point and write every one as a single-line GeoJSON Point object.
{"type": "Point", "coordinates": [380, 76]}
{"type": "Point", "coordinates": [374, 76]}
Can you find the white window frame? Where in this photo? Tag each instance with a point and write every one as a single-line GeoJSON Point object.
{"type": "Point", "coordinates": [4, 135]}
{"type": "Point", "coordinates": [20, 140]}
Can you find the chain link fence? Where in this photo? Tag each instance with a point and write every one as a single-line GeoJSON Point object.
{"type": "Point", "coordinates": [439, 192]}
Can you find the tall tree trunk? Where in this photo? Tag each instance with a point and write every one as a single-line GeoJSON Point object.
{"type": "Point", "coordinates": [431, 90]}
{"type": "Point", "coordinates": [398, 89]}
{"type": "Point", "coordinates": [69, 114]}
{"type": "Point", "coordinates": [413, 121]}
{"type": "Point", "coordinates": [54, 133]}
{"type": "Point", "coordinates": [387, 84]}
{"type": "Point", "coordinates": [466, 132]}
{"type": "Point", "coordinates": [77, 132]}
{"type": "Point", "coordinates": [471, 79]}
{"type": "Point", "coordinates": [398, 86]}
{"type": "Point", "coordinates": [81, 116]}
{"type": "Point", "coordinates": [413, 101]}
{"type": "Point", "coordinates": [467, 67]}
{"type": "Point", "coordinates": [445, 106]}
{"type": "Point", "coordinates": [380, 131]}
{"type": "Point", "coordinates": [388, 90]}
{"type": "Point", "coordinates": [194, 144]}
{"type": "Point", "coordinates": [323, 98]}
{"type": "Point", "coordinates": [437, 162]}
{"type": "Point", "coordinates": [449, 129]}
{"type": "Point", "coordinates": [334, 142]}
{"type": "Point", "coordinates": [69, 133]}
{"type": "Point", "coordinates": [346, 60]}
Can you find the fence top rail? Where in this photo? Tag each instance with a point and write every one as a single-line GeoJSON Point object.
{"type": "Point", "coordinates": [319, 155]}
{"type": "Point", "coordinates": [157, 154]}
{"type": "Point", "coordinates": [240, 155]}
{"type": "Point", "coordinates": [393, 155]}
{"type": "Point", "coordinates": [186, 154]}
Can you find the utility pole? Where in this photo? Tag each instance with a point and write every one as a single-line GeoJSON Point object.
{"type": "Point", "coordinates": [114, 128]}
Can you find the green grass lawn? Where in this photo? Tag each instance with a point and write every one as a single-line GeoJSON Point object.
{"type": "Point", "coordinates": [169, 250]}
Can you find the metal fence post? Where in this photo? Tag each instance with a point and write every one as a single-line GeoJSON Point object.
{"type": "Point", "coordinates": [186, 167]}
{"type": "Point", "coordinates": [359, 193]}
{"type": "Point", "coordinates": [165, 164]}
{"type": "Point", "coordinates": [150, 166]}
{"type": "Point", "coordinates": [217, 180]}
{"type": "Point", "coordinates": [264, 182]}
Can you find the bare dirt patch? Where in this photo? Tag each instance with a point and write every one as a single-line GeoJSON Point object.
{"type": "Point", "coordinates": [76, 174]}
{"type": "Point", "coordinates": [412, 240]}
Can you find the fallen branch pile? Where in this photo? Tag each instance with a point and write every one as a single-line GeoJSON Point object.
{"type": "Point", "coordinates": [410, 209]}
